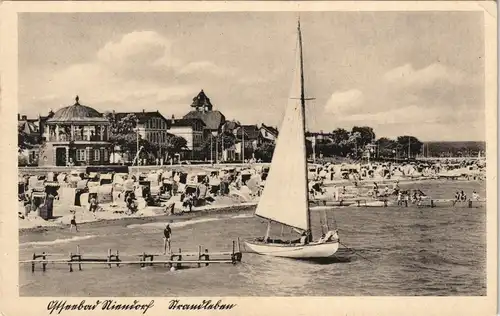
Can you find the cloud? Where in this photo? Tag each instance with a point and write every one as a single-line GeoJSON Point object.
{"type": "Point", "coordinates": [344, 101]}
{"type": "Point", "coordinates": [406, 75]}
{"type": "Point", "coordinates": [134, 49]}
{"type": "Point", "coordinates": [135, 70]}
{"type": "Point", "coordinates": [433, 95]}
{"type": "Point", "coordinates": [206, 67]}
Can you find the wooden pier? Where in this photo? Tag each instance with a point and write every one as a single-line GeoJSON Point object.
{"type": "Point", "coordinates": [429, 202]}
{"type": "Point", "coordinates": [177, 260]}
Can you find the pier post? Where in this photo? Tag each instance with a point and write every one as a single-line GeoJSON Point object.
{"type": "Point", "coordinates": [233, 257]}
{"type": "Point", "coordinates": [109, 258]}
{"type": "Point", "coordinates": [44, 263]}
{"type": "Point", "coordinates": [143, 259]}
{"type": "Point", "coordinates": [179, 265]}
{"type": "Point", "coordinates": [33, 263]}
{"type": "Point", "coordinates": [432, 203]}
{"type": "Point", "coordinates": [207, 257]}
{"type": "Point", "coordinates": [69, 263]}
{"type": "Point", "coordinates": [199, 256]}
{"type": "Point", "coordinates": [117, 259]}
{"type": "Point", "coordinates": [79, 257]}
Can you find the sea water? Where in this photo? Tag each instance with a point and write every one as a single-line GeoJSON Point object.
{"type": "Point", "coordinates": [398, 251]}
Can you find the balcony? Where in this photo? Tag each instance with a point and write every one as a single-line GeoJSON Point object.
{"type": "Point", "coordinates": [76, 138]}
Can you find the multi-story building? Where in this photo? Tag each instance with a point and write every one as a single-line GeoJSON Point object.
{"type": "Point", "coordinates": [75, 135]}
{"type": "Point", "coordinates": [193, 131]}
{"type": "Point", "coordinates": [31, 138]}
{"type": "Point", "coordinates": [267, 133]}
{"type": "Point", "coordinates": [151, 126]}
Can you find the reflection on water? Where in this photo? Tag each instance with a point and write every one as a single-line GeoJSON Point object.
{"type": "Point", "coordinates": [405, 251]}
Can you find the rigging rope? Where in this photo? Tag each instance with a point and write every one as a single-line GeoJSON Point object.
{"type": "Point", "coordinates": [355, 252]}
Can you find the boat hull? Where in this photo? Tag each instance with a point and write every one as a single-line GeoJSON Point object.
{"type": "Point", "coordinates": [309, 251]}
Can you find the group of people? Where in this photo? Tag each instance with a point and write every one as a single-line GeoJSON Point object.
{"type": "Point", "coordinates": [410, 196]}
{"type": "Point", "coordinates": [462, 197]}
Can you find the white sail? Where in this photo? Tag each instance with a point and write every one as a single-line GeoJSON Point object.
{"type": "Point", "coordinates": [285, 196]}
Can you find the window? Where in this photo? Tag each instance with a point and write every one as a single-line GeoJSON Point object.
{"type": "Point", "coordinates": [80, 155]}
{"type": "Point", "coordinates": [105, 154]}
{"type": "Point", "coordinates": [97, 155]}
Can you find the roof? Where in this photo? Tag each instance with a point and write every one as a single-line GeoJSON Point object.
{"type": "Point", "coordinates": [201, 100]}
{"type": "Point", "coordinates": [213, 119]}
{"type": "Point", "coordinates": [231, 125]}
{"type": "Point", "coordinates": [270, 129]}
{"type": "Point", "coordinates": [252, 131]}
{"type": "Point", "coordinates": [77, 113]}
{"type": "Point", "coordinates": [184, 122]}
{"type": "Point", "coordinates": [142, 116]}
{"type": "Point", "coordinates": [29, 126]}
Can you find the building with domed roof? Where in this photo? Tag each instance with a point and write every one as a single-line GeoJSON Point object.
{"type": "Point", "coordinates": [75, 135]}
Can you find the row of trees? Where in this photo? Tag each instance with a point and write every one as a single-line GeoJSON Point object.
{"type": "Point", "coordinates": [353, 143]}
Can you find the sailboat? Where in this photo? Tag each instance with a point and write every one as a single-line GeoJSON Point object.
{"type": "Point", "coordinates": [285, 198]}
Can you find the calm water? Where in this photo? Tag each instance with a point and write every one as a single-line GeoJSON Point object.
{"type": "Point", "coordinates": [411, 251]}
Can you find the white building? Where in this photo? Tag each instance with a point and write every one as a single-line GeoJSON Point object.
{"type": "Point", "coordinates": [192, 130]}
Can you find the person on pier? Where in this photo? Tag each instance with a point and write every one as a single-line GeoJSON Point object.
{"type": "Point", "coordinates": [167, 234]}
{"type": "Point", "coordinates": [73, 221]}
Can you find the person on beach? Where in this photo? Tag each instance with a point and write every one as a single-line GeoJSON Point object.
{"type": "Point", "coordinates": [400, 195]}
{"type": "Point", "coordinates": [463, 196]}
{"type": "Point", "coordinates": [475, 196]}
{"type": "Point", "coordinates": [73, 222]}
{"type": "Point", "coordinates": [457, 196]}
{"type": "Point", "coordinates": [167, 234]}
{"type": "Point", "coordinates": [93, 205]}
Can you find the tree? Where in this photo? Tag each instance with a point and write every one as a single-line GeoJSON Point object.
{"type": "Point", "coordinates": [340, 136]}
{"type": "Point", "coordinates": [24, 140]}
{"type": "Point", "coordinates": [265, 151]}
{"type": "Point", "coordinates": [176, 143]}
{"type": "Point", "coordinates": [386, 147]}
{"type": "Point", "coordinates": [123, 134]}
{"type": "Point", "coordinates": [410, 143]}
{"type": "Point", "coordinates": [353, 143]}
{"type": "Point", "coordinates": [224, 140]}
{"type": "Point", "coordinates": [341, 145]}
{"type": "Point", "coordinates": [366, 135]}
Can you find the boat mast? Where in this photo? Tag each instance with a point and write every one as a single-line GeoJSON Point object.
{"type": "Point", "coordinates": [303, 110]}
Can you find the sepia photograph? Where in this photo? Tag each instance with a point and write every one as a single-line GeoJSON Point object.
{"type": "Point", "coordinates": [253, 153]}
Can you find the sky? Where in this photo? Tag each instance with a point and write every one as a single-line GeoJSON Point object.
{"type": "Point", "coordinates": [402, 73]}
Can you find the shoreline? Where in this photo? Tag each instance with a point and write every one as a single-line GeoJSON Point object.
{"type": "Point", "coordinates": [222, 209]}
{"type": "Point", "coordinates": [203, 211]}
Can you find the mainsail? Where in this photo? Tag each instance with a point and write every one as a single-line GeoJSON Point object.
{"type": "Point", "coordinates": [285, 196]}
